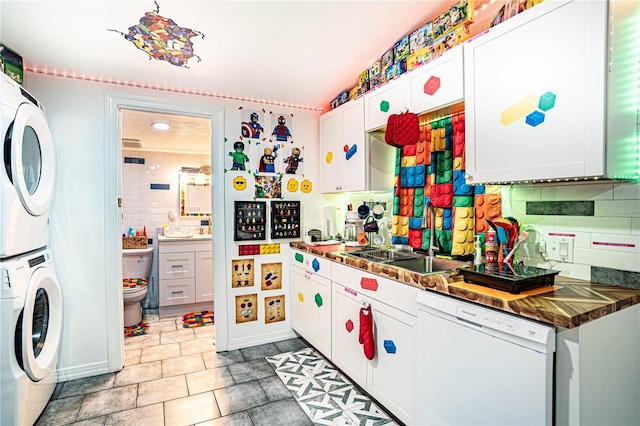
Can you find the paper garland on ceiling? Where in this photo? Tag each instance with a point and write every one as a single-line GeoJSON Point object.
{"type": "Point", "coordinates": [162, 39]}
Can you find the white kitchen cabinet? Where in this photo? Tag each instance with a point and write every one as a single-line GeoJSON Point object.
{"type": "Point", "coordinates": [351, 160]}
{"type": "Point", "coordinates": [383, 101]}
{"type": "Point", "coordinates": [597, 371]}
{"type": "Point", "coordinates": [390, 376]}
{"type": "Point", "coordinates": [536, 95]}
{"type": "Point", "coordinates": [185, 273]}
{"type": "Point", "coordinates": [437, 84]}
{"type": "Point", "coordinates": [432, 86]}
{"type": "Point", "coordinates": [311, 300]}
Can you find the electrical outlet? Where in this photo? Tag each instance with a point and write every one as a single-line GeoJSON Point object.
{"type": "Point", "coordinates": [559, 249]}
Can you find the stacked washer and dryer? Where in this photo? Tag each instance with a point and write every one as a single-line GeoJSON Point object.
{"type": "Point", "coordinates": [30, 295]}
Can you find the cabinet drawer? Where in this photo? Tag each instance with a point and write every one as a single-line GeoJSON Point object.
{"type": "Point", "coordinates": [177, 292]}
{"type": "Point", "coordinates": [176, 265]}
{"type": "Point", "coordinates": [393, 293]}
{"type": "Point", "coordinates": [312, 264]}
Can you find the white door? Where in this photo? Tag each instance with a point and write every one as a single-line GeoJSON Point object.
{"type": "Point", "coordinates": [41, 325]}
{"type": "Point", "coordinates": [31, 163]}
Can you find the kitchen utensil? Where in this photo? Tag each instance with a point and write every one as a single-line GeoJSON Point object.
{"type": "Point", "coordinates": [523, 236]}
{"type": "Point", "coordinates": [363, 210]}
{"type": "Point", "coordinates": [503, 240]}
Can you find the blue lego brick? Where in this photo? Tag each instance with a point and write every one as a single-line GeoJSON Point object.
{"type": "Point", "coordinates": [351, 151]}
{"type": "Point", "coordinates": [415, 222]}
{"type": "Point", "coordinates": [547, 101]}
{"type": "Point", "coordinates": [412, 177]}
{"type": "Point", "coordinates": [460, 186]}
{"type": "Point", "coordinates": [389, 346]}
{"type": "Point", "coordinates": [447, 219]}
{"type": "Point", "coordinates": [479, 189]}
{"type": "Point", "coordinates": [535, 118]}
{"type": "Point", "coordinates": [448, 142]}
{"type": "Point", "coordinates": [399, 240]}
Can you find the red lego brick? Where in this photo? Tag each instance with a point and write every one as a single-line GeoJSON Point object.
{"type": "Point", "coordinates": [442, 195]}
{"type": "Point", "coordinates": [432, 85]}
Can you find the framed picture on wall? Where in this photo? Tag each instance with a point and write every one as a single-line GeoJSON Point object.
{"type": "Point", "coordinates": [250, 220]}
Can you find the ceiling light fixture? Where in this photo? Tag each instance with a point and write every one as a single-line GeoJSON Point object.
{"type": "Point", "coordinates": [160, 125]}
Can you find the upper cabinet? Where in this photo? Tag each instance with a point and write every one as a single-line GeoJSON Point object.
{"type": "Point", "coordinates": [351, 159]}
{"type": "Point", "coordinates": [432, 86]}
{"type": "Point", "coordinates": [535, 95]}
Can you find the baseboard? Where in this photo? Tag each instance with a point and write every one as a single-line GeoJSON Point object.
{"type": "Point", "coordinates": [82, 371]}
{"type": "Point", "coordinates": [261, 339]}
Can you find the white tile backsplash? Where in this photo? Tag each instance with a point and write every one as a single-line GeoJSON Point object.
{"type": "Point", "coordinates": [615, 224]}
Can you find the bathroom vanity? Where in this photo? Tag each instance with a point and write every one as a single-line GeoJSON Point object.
{"type": "Point", "coordinates": [185, 274]}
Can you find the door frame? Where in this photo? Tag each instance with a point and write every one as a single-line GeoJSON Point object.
{"type": "Point", "coordinates": [113, 212]}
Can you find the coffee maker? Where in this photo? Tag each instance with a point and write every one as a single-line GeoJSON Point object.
{"type": "Point", "coordinates": [353, 226]}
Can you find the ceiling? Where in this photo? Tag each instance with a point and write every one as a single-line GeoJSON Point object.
{"type": "Point", "coordinates": [186, 134]}
{"type": "Point", "coordinates": [298, 53]}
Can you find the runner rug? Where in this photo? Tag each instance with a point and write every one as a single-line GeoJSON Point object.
{"type": "Point", "coordinates": [325, 395]}
{"type": "Point", "coordinates": [197, 319]}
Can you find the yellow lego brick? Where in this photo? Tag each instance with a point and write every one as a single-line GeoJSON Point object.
{"type": "Point", "coordinates": [519, 110]}
{"type": "Point", "coordinates": [458, 163]}
{"type": "Point", "coordinates": [493, 189]}
{"type": "Point", "coordinates": [409, 161]}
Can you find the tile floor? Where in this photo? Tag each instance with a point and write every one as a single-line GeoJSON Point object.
{"type": "Point", "coordinates": [173, 376]}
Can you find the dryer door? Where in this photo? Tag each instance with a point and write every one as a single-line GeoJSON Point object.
{"type": "Point", "coordinates": [41, 324]}
{"type": "Point", "coordinates": [32, 159]}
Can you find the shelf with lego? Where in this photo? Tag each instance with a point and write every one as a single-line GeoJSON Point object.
{"type": "Point", "coordinates": [285, 219]}
{"type": "Point", "coordinates": [250, 220]}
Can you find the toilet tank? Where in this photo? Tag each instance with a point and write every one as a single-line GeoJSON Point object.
{"type": "Point", "coordinates": [136, 263]}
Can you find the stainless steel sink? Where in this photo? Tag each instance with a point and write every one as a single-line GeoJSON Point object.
{"type": "Point", "coordinates": [427, 265]}
{"type": "Point", "coordinates": [407, 260]}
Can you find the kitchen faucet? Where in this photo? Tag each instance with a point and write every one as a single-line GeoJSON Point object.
{"type": "Point", "coordinates": [432, 228]}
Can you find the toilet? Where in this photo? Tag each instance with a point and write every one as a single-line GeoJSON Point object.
{"type": "Point", "coordinates": [136, 268]}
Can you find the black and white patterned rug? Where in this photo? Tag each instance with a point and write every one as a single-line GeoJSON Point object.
{"type": "Point", "coordinates": [325, 395]}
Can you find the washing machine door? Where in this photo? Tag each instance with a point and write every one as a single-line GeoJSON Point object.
{"type": "Point", "coordinates": [41, 324]}
{"type": "Point", "coordinates": [31, 163]}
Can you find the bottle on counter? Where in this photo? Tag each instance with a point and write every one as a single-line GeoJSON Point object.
{"type": "Point", "coordinates": [491, 247]}
{"type": "Point", "coordinates": [477, 253]}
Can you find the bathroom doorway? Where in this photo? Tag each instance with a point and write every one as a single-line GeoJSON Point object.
{"type": "Point", "coordinates": [117, 105]}
{"type": "Point", "coordinates": [166, 186]}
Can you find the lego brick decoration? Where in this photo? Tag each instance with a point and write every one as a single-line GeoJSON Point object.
{"type": "Point", "coordinates": [246, 308]}
{"type": "Point", "coordinates": [255, 249]}
{"type": "Point", "coordinates": [274, 310]}
{"type": "Point", "coordinates": [271, 276]}
{"type": "Point", "coordinates": [242, 273]}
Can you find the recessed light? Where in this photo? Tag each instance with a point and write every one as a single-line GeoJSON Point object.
{"type": "Point", "coordinates": [160, 125]}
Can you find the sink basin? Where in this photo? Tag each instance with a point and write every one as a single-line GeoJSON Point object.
{"type": "Point", "coordinates": [407, 260]}
{"type": "Point", "coordinates": [427, 265]}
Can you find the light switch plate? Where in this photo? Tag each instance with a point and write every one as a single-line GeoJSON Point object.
{"type": "Point", "coordinates": [559, 249]}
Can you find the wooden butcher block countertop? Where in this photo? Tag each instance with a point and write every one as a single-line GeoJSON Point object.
{"type": "Point", "coordinates": [569, 304]}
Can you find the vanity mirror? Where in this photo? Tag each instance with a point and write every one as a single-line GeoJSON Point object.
{"type": "Point", "coordinates": [195, 194]}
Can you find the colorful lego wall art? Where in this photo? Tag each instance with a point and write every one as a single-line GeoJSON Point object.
{"type": "Point", "coordinates": [162, 39]}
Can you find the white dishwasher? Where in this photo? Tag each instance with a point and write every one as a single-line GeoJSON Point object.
{"type": "Point", "coordinates": [478, 366]}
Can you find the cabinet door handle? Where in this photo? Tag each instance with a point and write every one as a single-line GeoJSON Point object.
{"type": "Point", "coordinates": [176, 266]}
{"type": "Point", "coordinates": [177, 292]}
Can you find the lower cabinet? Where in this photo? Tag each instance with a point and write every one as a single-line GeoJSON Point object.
{"type": "Point", "coordinates": [390, 376]}
{"type": "Point", "coordinates": [311, 308]}
{"type": "Point", "coordinates": [185, 277]}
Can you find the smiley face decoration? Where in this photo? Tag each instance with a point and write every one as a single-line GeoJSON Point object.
{"type": "Point", "coordinates": [162, 39]}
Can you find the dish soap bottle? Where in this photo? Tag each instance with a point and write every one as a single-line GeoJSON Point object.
{"type": "Point", "coordinates": [477, 254]}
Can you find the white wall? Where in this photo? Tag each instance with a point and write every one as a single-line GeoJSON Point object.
{"type": "Point", "coordinates": [608, 239]}
{"type": "Point", "coordinates": [76, 113]}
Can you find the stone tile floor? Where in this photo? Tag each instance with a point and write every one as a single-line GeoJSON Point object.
{"type": "Point", "coordinates": [173, 376]}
